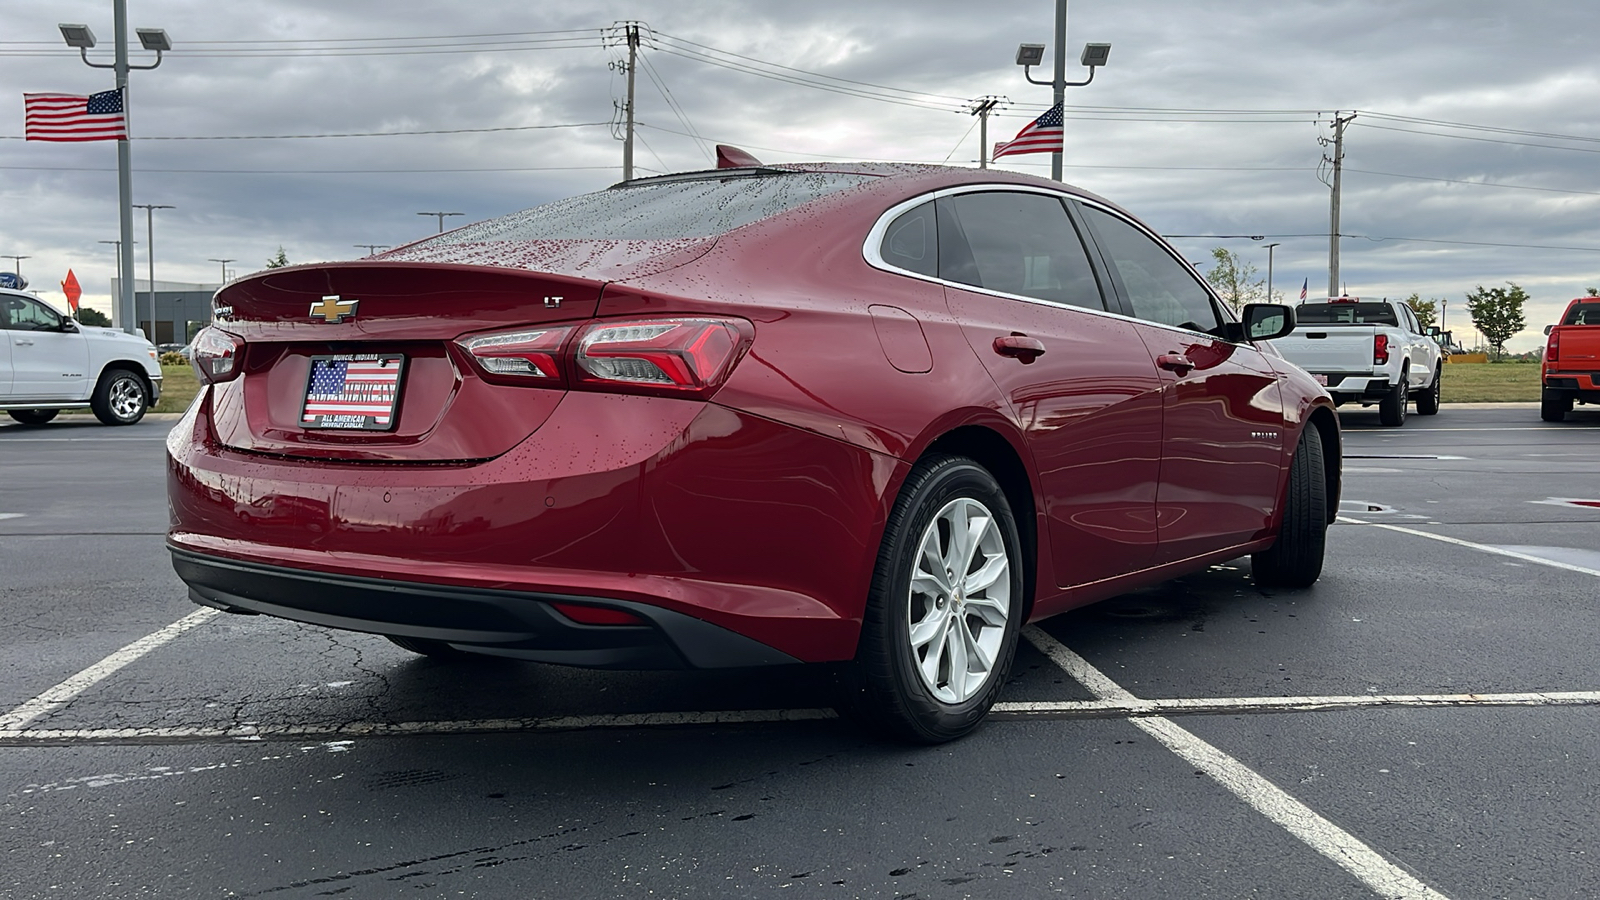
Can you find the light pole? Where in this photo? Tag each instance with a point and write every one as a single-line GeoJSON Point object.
{"type": "Point", "coordinates": [224, 263]}
{"type": "Point", "coordinates": [1094, 56]}
{"type": "Point", "coordinates": [18, 259]}
{"type": "Point", "coordinates": [1269, 273]}
{"type": "Point", "coordinates": [150, 255]}
{"type": "Point", "coordinates": [372, 249]}
{"type": "Point", "coordinates": [156, 39]}
{"type": "Point", "coordinates": [441, 216]}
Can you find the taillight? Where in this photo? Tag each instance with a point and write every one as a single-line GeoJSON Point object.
{"type": "Point", "coordinates": [216, 355]}
{"type": "Point", "coordinates": [527, 356]}
{"type": "Point", "coordinates": [1552, 351]}
{"type": "Point", "coordinates": [671, 356]}
{"type": "Point", "coordinates": [1380, 349]}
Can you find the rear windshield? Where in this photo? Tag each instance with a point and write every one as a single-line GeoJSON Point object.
{"type": "Point", "coordinates": [1583, 314]}
{"type": "Point", "coordinates": [1346, 313]}
{"type": "Point", "coordinates": [689, 208]}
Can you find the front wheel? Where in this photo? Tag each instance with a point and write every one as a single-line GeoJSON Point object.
{"type": "Point", "coordinates": [1392, 408]}
{"type": "Point", "coordinates": [33, 416]}
{"type": "Point", "coordinates": [1428, 401]}
{"type": "Point", "coordinates": [1295, 561]}
{"type": "Point", "coordinates": [1553, 405]}
{"type": "Point", "coordinates": [945, 605]}
{"type": "Point", "coordinates": [120, 399]}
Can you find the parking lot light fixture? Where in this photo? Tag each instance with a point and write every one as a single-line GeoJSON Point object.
{"type": "Point", "coordinates": [78, 36]}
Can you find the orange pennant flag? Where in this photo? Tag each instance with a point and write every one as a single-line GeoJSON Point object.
{"type": "Point", "coordinates": [73, 291]}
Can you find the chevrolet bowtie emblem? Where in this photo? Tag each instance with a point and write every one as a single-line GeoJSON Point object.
{"type": "Point", "coordinates": [332, 309]}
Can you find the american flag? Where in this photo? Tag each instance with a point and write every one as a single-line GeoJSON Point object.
{"type": "Point", "coordinates": [1042, 135]}
{"type": "Point", "coordinates": [1303, 288]}
{"type": "Point", "coordinates": [352, 387]}
{"type": "Point", "coordinates": [75, 117]}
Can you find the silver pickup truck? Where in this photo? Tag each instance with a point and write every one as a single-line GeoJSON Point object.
{"type": "Point", "coordinates": [1367, 352]}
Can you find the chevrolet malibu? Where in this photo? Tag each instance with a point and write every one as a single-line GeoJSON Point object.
{"type": "Point", "coordinates": [874, 415]}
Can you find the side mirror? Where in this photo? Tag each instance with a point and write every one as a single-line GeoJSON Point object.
{"type": "Point", "coordinates": [1433, 331]}
{"type": "Point", "coordinates": [1267, 321]}
{"type": "Point", "coordinates": [1547, 330]}
{"type": "Point", "coordinates": [69, 326]}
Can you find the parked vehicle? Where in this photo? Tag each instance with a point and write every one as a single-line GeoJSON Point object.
{"type": "Point", "coordinates": [879, 415]}
{"type": "Point", "coordinates": [1571, 369]}
{"type": "Point", "coordinates": [49, 363]}
{"type": "Point", "coordinates": [1368, 352]}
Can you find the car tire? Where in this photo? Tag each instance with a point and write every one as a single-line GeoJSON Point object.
{"type": "Point", "coordinates": [935, 648]}
{"type": "Point", "coordinates": [121, 398]}
{"type": "Point", "coordinates": [33, 416]}
{"type": "Point", "coordinates": [1428, 400]}
{"type": "Point", "coordinates": [1295, 561]}
{"type": "Point", "coordinates": [1392, 408]}
{"type": "Point", "coordinates": [434, 649]}
{"type": "Point", "coordinates": [1553, 405]}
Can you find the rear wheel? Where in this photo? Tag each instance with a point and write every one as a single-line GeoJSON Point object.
{"type": "Point", "coordinates": [33, 416]}
{"type": "Point", "coordinates": [1392, 408]}
{"type": "Point", "coordinates": [1295, 561]}
{"type": "Point", "coordinates": [1554, 405]}
{"type": "Point", "coordinates": [120, 398]}
{"type": "Point", "coordinates": [1428, 400]}
{"type": "Point", "coordinates": [946, 601]}
{"type": "Point", "coordinates": [436, 649]}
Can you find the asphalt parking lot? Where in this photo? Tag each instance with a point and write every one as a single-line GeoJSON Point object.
{"type": "Point", "coordinates": [1421, 723]}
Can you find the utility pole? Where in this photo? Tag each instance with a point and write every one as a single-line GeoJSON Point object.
{"type": "Point", "coordinates": [1333, 226]}
{"type": "Point", "coordinates": [627, 142]}
{"type": "Point", "coordinates": [981, 108]}
{"type": "Point", "coordinates": [441, 216]}
{"type": "Point", "coordinates": [150, 255]}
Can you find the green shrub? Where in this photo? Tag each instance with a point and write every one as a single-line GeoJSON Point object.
{"type": "Point", "coordinates": [173, 358]}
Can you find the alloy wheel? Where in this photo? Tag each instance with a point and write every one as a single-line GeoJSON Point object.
{"type": "Point", "coordinates": [960, 600]}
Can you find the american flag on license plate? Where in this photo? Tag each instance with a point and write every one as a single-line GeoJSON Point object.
{"type": "Point", "coordinates": [352, 387]}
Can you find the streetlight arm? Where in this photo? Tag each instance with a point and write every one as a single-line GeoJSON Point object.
{"type": "Point", "coordinates": [1032, 80]}
{"type": "Point", "coordinates": [84, 52]}
{"type": "Point", "coordinates": [151, 66]}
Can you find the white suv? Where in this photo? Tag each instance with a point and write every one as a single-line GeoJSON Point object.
{"type": "Point", "coordinates": [49, 363]}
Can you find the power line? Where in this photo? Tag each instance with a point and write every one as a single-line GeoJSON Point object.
{"type": "Point", "coordinates": [282, 137]}
{"type": "Point", "coordinates": [307, 171]}
{"type": "Point", "coordinates": [1468, 137]}
{"type": "Point", "coordinates": [1492, 184]}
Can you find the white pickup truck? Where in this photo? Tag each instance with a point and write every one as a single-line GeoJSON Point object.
{"type": "Point", "coordinates": [49, 363]}
{"type": "Point", "coordinates": [1367, 352]}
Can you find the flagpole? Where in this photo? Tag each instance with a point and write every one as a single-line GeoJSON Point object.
{"type": "Point", "coordinates": [1060, 82]}
{"type": "Point", "coordinates": [128, 316]}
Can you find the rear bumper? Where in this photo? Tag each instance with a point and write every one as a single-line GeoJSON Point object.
{"type": "Point", "coordinates": [1581, 386]}
{"type": "Point", "coordinates": [1345, 387]}
{"type": "Point", "coordinates": [688, 510]}
{"type": "Point", "coordinates": [496, 622]}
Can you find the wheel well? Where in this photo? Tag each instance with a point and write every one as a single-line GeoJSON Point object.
{"type": "Point", "coordinates": [125, 366]}
{"type": "Point", "coordinates": [988, 449]}
{"type": "Point", "coordinates": [1322, 419]}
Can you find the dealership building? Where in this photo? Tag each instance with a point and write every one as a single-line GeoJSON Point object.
{"type": "Point", "coordinates": [181, 309]}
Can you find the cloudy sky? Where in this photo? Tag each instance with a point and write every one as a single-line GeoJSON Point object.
{"type": "Point", "coordinates": [1472, 160]}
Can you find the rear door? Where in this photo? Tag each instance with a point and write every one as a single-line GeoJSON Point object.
{"type": "Point", "coordinates": [1089, 404]}
{"type": "Point", "coordinates": [1222, 447]}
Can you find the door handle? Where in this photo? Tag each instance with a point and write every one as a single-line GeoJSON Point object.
{"type": "Point", "coordinates": [1175, 362]}
{"type": "Point", "coordinates": [24, 342]}
{"type": "Point", "coordinates": [1019, 346]}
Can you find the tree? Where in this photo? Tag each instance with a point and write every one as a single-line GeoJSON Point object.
{"type": "Point", "coordinates": [1497, 312]}
{"type": "Point", "coordinates": [1427, 310]}
{"type": "Point", "coordinates": [279, 261]}
{"type": "Point", "coordinates": [1593, 292]}
{"type": "Point", "coordinates": [1235, 279]}
{"type": "Point", "coordinates": [94, 318]}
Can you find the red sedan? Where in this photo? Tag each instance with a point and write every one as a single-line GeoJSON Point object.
{"type": "Point", "coordinates": [881, 415]}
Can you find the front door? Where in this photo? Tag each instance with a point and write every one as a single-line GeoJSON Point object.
{"type": "Point", "coordinates": [1089, 404]}
{"type": "Point", "coordinates": [1223, 436]}
{"type": "Point", "coordinates": [47, 363]}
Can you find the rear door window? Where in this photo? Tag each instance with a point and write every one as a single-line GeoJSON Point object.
{"type": "Point", "coordinates": [1015, 242]}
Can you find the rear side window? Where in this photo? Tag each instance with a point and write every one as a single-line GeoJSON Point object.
{"type": "Point", "coordinates": [1583, 314]}
{"type": "Point", "coordinates": [1346, 314]}
{"type": "Point", "coordinates": [1160, 288]}
{"type": "Point", "coordinates": [911, 242]}
{"type": "Point", "coordinates": [684, 208]}
{"type": "Point", "coordinates": [1016, 243]}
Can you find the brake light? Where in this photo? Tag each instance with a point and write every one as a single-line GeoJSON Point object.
{"type": "Point", "coordinates": [1380, 349]}
{"type": "Point", "coordinates": [1552, 352]}
{"type": "Point", "coordinates": [216, 355]}
{"type": "Point", "coordinates": [527, 356]}
{"type": "Point", "coordinates": [672, 356]}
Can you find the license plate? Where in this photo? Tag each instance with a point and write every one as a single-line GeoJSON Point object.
{"type": "Point", "coordinates": [353, 392]}
{"type": "Point", "coordinates": [1321, 379]}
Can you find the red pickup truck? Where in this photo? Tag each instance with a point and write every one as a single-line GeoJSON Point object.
{"type": "Point", "coordinates": [1571, 360]}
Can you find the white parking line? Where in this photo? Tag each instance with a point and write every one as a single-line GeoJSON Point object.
{"type": "Point", "coordinates": [1321, 835]}
{"type": "Point", "coordinates": [63, 693]}
{"type": "Point", "coordinates": [1134, 706]}
{"type": "Point", "coordinates": [1497, 551]}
